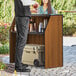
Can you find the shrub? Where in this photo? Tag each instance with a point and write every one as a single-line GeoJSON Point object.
{"type": "Point", "coordinates": [2, 66]}
{"type": "Point", "coordinates": [69, 30]}
{"type": "Point", "coordinates": [4, 33]}
{"type": "Point", "coordinates": [4, 49]}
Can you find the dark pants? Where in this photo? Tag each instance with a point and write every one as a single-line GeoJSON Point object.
{"type": "Point", "coordinates": [22, 24]}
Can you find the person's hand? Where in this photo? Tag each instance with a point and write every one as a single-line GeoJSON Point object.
{"type": "Point", "coordinates": [36, 5]}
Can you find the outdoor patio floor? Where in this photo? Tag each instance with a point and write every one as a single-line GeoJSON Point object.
{"type": "Point", "coordinates": [68, 69]}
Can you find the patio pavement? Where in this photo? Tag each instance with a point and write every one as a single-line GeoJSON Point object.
{"type": "Point", "coordinates": [69, 63]}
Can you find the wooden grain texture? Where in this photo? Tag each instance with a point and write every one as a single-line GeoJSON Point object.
{"type": "Point", "coordinates": [54, 42]}
{"type": "Point", "coordinates": [35, 39]}
{"type": "Point", "coordinates": [32, 39]}
{"type": "Point", "coordinates": [12, 44]}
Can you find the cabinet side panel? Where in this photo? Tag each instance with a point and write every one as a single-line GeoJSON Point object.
{"type": "Point", "coordinates": [53, 43]}
{"type": "Point", "coordinates": [12, 42]}
{"type": "Point", "coordinates": [60, 27]}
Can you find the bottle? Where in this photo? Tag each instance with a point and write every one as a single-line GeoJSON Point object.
{"type": "Point", "coordinates": [31, 26]}
{"type": "Point", "coordinates": [42, 29]}
{"type": "Point", "coordinates": [40, 26]}
{"type": "Point", "coordinates": [45, 23]}
{"type": "Point", "coordinates": [35, 27]}
{"type": "Point", "coordinates": [15, 28]}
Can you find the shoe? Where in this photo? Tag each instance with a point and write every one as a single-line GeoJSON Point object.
{"type": "Point", "coordinates": [18, 67]}
{"type": "Point", "coordinates": [24, 65]}
{"type": "Point", "coordinates": [22, 70]}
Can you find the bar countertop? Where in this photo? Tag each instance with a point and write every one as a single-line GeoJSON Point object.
{"type": "Point", "coordinates": [45, 14]}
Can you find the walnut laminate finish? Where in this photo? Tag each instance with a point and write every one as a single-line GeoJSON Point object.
{"type": "Point", "coordinates": [52, 38]}
{"type": "Point", "coordinates": [53, 43]}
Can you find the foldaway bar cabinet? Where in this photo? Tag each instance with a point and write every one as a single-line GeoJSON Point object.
{"type": "Point", "coordinates": [52, 38]}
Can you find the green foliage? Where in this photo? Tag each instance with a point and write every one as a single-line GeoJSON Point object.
{"type": "Point", "coordinates": [64, 4]}
{"type": "Point", "coordinates": [2, 66]}
{"type": "Point", "coordinates": [69, 23]}
{"type": "Point", "coordinates": [69, 30]}
{"type": "Point", "coordinates": [4, 49]}
{"type": "Point", "coordinates": [39, 1]}
{"type": "Point", "coordinates": [69, 19]}
{"type": "Point", "coordinates": [4, 33]}
{"type": "Point", "coordinates": [6, 10]}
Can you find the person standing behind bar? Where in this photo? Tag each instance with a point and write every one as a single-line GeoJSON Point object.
{"type": "Point", "coordinates": [44, 8]}
{"type": "Point", "coordinates": [22, 16]}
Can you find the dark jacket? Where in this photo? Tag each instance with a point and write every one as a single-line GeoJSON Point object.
{"type": "Point", "coordinates": [21, 10]}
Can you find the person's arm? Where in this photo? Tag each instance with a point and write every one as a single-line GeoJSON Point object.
{"type": "Point", "coordinates": [28, 2]}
